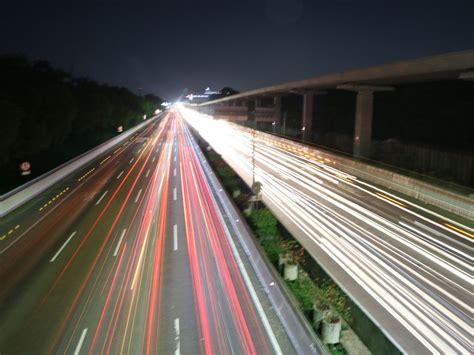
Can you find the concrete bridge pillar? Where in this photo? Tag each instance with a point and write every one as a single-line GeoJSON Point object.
{"type": "Point", "coordinates": [251, 110]}
{"type": "Point", "coordinates": [363, 123]}
{"type": "Point", "coordinates": [277, 106]}
{"type": "Point", "coordinates": [363, 116]}
{"type": "Point", "coordinates": [308, 109]}
{"type": "Point", "coordinates": [308, 113]}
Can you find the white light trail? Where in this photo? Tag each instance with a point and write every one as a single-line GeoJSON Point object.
{"type": "Point", "coordinates": [422, 278]}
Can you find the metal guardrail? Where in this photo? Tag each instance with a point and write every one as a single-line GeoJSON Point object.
{"type": "Point", "coordinates": [297, 327]}
{"type": "Point", "coordinates": [457, 201]}
{"type": "Point", "coordinates": [22, 194]}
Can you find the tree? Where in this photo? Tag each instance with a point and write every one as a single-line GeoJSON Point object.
{"type": "Point", "coordinates": [50, 117]}
{"type": "Point", "coordinates": [226, 91]}
{"type": "Point", "coordinates": [265, 223]}
{"type": "Point", "coordinates": [13, 115]}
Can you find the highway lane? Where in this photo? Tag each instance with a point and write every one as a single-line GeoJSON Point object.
{"type": "Point", "coordinates": [90, 227]}
{"type": "Point", "coordinates": [226, 311]}
{"type": "Point", "coordinates": [42, 221]}
{"type": "Point", "coordinates": [125, 276]}
{"type": "Point", "coordinates": [411, 270]}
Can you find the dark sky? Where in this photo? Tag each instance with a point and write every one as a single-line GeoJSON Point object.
{"type": "Point", "coordinates": [165, 46]}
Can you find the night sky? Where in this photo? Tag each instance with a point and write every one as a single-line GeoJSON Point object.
{"type": "Point", "coordinates": [166, 46]}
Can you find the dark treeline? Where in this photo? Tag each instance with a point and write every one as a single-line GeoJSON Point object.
{"type": "Point", "coordinates": [48, 116]}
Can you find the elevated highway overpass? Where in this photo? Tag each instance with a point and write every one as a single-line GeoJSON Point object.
{"type": "Point", "coordinates": [364, 82]}
{"type": "Point", "coordinates": [247, 108]}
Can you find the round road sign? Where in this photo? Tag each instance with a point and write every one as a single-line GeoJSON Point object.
{"type": "Point", "coordinates": [25, 166]}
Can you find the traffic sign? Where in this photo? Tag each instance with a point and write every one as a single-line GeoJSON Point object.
{"type": "Point", "coordinates": [25, 168]}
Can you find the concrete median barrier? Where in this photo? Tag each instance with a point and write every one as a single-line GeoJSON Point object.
{"type": "Point", "coordinates": [22, 194]}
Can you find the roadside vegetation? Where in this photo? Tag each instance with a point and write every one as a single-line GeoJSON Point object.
{"type": "Point", "coordinates": [49, 116]}
{"type": "Point", "coordinates": [323, 303]}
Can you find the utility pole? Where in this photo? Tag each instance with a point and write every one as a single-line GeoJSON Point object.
{"type": "Point", "coordinates": [254, 134]}
{"type": "Point", "coordinates": [256, 186]}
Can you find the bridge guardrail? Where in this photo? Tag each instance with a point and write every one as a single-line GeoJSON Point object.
{"type": "Point", "coordinates": [22, 194]}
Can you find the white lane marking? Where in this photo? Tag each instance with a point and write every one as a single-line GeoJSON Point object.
{"type": "Point", "coordinates": [62, 247]}
{"type": "Point", "coordinates": [253, 294]}
{"type": "Point", "coordinates": [101, 197]}
{"type": "Point", "coordinates": [430, 229]}
{"type": "Point", "coordinates": [174, 172]}
{"type": "Point", "coordinates": [157, 149]}
{"type": "Point", "coordinates": [138, 195]}
{"type": "Point", "coordinates": [176, 338]}
{"type": "Point", "coordinates": [243, 270]}
{"type": "Point", "coordinates": [175, 158]}
{"type": "Point", "coordinates": [81, 340]}
{"type": "Point", "coordinates": [147, 173]}
{"type": "Point", "coordinates": [119, 242]}
{"type": "Point", "coordinates": [438, 233]}
{"type": "Point", "coordinates": [153, 160]}
{"type": "Point", "coordinates": [130, 162]}
{"type": "Point", "coordinates": [119, 175]}
{"type": "Point", "coordinates": [437, 240]}
{"type": "Point", "coordinates": [175, 237]}
{"type": "Point", "coordinates": [174, 194]}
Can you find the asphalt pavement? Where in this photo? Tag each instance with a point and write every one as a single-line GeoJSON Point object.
{"type": "Point", "coordinates": [409, 269]}
{"type": "Point", "coordinates": [131, 255]}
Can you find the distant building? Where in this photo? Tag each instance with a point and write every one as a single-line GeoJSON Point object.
{"type": "Point", "coordinates": [210, 95]}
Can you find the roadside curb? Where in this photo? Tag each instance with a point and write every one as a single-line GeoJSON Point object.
{"type": "Point", "coordinates": [24, 193]}
{"type": "Point", "coordinates": [296, 325]}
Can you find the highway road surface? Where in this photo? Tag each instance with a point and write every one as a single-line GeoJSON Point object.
{"type": "Point", "coordinates": [132, 255]}
{"type": "Point", "coordinates": [409, 269]}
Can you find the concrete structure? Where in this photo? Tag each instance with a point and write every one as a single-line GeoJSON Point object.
{"type": "Point", "coordinates": [450, 66]}
{"type": "Point", "coordinates": [454, 202]}
{"type": "Point", "coordinates": [24, 193]}
{"type": "Point", "coordinates": [277, 109]}
{"type": "Point", "coordinates": [308, 113]}
{"type": "Point", "coordinates": [265, 114]}
{"type": "Point", "coordinates": [308, 109]}
{"type": "Point", "coordinates": [364, 115]}
{"type": "Point", "coordinates": [231, 113]}
{"type": "Point", "coordinates": [251, 111]}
